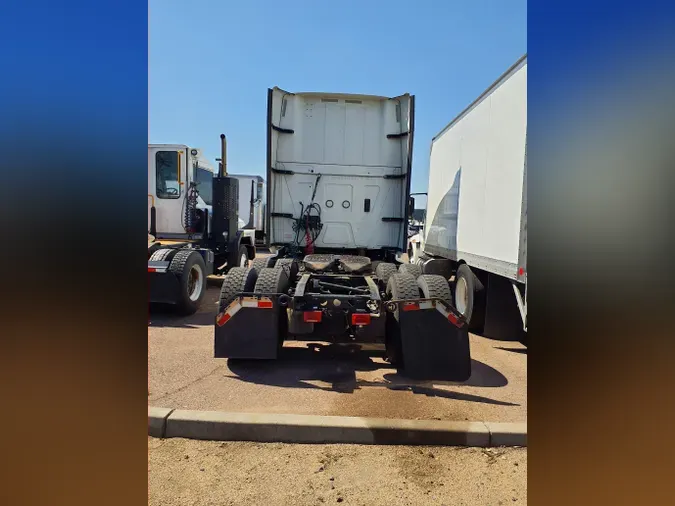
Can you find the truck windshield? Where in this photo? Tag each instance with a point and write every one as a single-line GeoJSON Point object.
{"type": "Point", "coordinates": [204, 182]}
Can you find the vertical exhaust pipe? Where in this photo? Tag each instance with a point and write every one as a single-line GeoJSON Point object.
{"type": "Point", "coordinates": [153, 221]}
{"type": "Point", "coordinates": [223, 156]}
{"type": "Point", "coordinates": [252, 208]}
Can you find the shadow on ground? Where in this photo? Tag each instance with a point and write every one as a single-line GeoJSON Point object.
{"type": "Point", "coordinates": [514, 350]}
{"type": "Point", "coordinates": [337, 365]}
{"type": "Point", "coordinates": [164, 315]}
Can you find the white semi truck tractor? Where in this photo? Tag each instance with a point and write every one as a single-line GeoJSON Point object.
{"type": "Point", "coordinates": [338, 203]}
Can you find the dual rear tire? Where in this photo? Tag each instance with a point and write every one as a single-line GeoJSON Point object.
{"type": "Point", "coordinates": [402, 286]}
{"type": "Point", "coordinates": [248, 280]}
{"type": "Point", "coordinates": [190, 269]}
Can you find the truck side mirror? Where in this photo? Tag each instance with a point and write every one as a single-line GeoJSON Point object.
{"type": "Point", "coordinates": [411, 207]}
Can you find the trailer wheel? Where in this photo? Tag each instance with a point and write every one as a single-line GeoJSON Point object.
{"type": "Point", "coordinates": [469, 297]}
{"type": "Point", "coordinates": [400, 287]}
{"type": "Point", "coordinates": [159, 255]}
{"type": "Point", "coordinates": [384, 271]}
{"type": "Point", "coordinates": [414, 270]}
{"type": "Point", "coordinates": [236, 281]}
{"type": "Point", "coordinates": [434, 286]}
{"type": "Point", "coordinates": [258, 264]}
{"type": "Point", "coordinates": [190, 269]}
{"type": "Point", "coordinates": [242, 255]}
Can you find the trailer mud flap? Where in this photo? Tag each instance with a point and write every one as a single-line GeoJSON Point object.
{"type": "Point", "coordinates": [434, 341]}
{"type": "Point", "coordinates": [250, 328]}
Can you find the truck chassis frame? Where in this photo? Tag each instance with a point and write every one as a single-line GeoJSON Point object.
{"type": "Point", "coordinates": [425, 337]}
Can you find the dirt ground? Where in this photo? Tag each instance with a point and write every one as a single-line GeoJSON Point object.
{"type": "Point", "coordinates": [319, 379]}
{"type": "Point", "coordinates": [200, 473]}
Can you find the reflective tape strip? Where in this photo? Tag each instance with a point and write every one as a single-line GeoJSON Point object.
{"type": "Point", "coordinates": [262, 303]}
{"type": "Point", "coordinates": [159, 267]}
{"type": "Point", "coordinates": [416, 306]}
{"type": "Point", "coordinates": [265, 303]}
{"type": "Point", "coordinates": [449, 315]}
{"type": "Point", "coordinates": [225, 316]}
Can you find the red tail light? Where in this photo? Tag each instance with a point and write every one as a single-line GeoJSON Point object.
{"type": "Point", "coordinates": [152, 269]}
{"type": "Point", "coordinates": [312, 316]}
{"type": "Point", "coordinates": [360, 319]}
{"type": "Point", "coordinates": [410, 306]}
{"type": "Point", "coordinates": [267, 304]}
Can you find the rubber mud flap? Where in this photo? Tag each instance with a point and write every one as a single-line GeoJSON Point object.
{"type": "Point", "coordinates": [434, 348]}
{"type": "Point", "coordinates": [164, 287]}
{"type": "Point", "coordinates": [252, 333]}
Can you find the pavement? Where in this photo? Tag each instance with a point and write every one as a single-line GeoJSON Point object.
{"type": "Point", "coordinates": [200, 473]}
{"type": "Point", "coordinates": [323, 379]}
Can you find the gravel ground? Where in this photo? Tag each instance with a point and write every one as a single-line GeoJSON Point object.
{"type": "Point", "coordinates": [324, 380]}
{"type": "Point", "coordinates": [196, 473]}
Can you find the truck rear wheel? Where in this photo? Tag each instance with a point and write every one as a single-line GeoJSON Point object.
{"type": "Point", "coordinates": [272, 280]}
{"type": "Point", "coordinates": [190, 269]}
{"type": "Point", "coordinates": [414, 270]}
{"type": "Point", "coordinates": [399, 287]}
{"type": "Point", "coordinates": [469, 297]}
{"type": "Point", "coordinates": [290, 265]}
{"type": "Point", "coordinates": [258, 264]}
{"type": "Point", "coordinates": [434, 286]}
{"type": "Point", "coordinates": [384, 271]}
{"type": "Point", "coordinates": [159, 255]}
{"type": "Point", "coordinates": [237, 280]}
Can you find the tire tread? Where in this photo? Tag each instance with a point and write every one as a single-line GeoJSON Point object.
{"type": "Point", "coordinates": [434, 285]}
{"type": "Point", "coordinates": [272, 280]}
{"type": "Point", "coordinates": [384, 271]}
{"type": "Point", "coordinates": [412, 269]}
{"type": "Point", "coordinates": [237, 280]}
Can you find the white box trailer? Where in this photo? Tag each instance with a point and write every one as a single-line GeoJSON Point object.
{"type": "Point", "coordinates": [477, 206]}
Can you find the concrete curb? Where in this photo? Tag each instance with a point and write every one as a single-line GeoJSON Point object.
{"type": "Point", "coordinates": [507, 434]}
{"type": "Point", "coordinates": [278, 428]}
{"type": "Point", "coordinates": [157, 421]}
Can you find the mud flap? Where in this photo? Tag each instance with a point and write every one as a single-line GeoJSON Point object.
{"type": "Point", "coordinates": [435, 348]}
{"type": "Point", "coordinates": [164, 287]}
{"type": "Point", "coordinates": [250, 328]}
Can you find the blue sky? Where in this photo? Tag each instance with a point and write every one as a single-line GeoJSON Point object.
{"type": "Point", "coordinates": [211, 62]}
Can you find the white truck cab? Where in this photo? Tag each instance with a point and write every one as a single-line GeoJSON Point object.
{"type": "Point", "coordinates": [171, 169]}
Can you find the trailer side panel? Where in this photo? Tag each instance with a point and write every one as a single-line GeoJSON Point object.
{"type": "Point", "coordinates": [476, 203]}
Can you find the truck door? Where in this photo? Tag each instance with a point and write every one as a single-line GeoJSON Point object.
{"type": "Point", "coordinates": [167, 180]}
